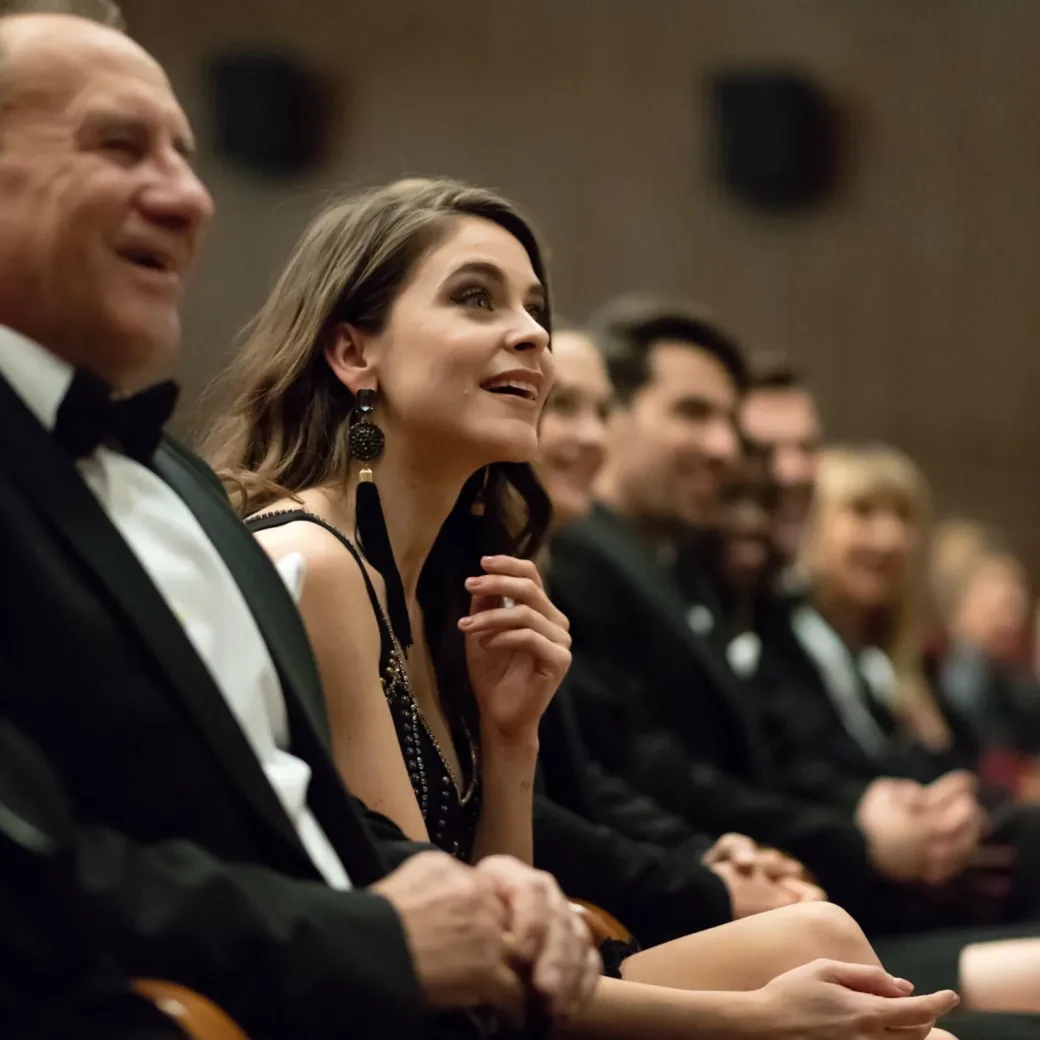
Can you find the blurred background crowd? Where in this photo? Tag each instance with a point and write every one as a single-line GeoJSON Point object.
{"type": "Point", "coordinates": [875, 262]}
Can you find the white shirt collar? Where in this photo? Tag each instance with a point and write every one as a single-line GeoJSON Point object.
{"type": "Point", "coordinates": [40, 378]}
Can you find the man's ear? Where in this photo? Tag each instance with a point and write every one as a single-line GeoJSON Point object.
{"type": "Point", "coordinates": [351, 361]}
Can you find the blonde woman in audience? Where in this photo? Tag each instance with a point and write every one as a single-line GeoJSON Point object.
{"type": "Point", "coordinates": [383, 416]}
{"type": "Point", "coordinates": [858, 719]}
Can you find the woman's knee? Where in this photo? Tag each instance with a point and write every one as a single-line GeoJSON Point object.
{"type": "Point", "coordinates": [826, 930]}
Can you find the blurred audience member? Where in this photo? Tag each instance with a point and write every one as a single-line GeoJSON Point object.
{"type": "Point", "coordinates": [981, 654]}
{"type": "Point", "coordinates": [654, 702]}
{"type": "Point", "coordinates": [740, 560]}
{"type": "Point", "coordinates": [847, 689]}
{"type": "Point", "coordinates": [664, 862]}
{"type": "Point", "coordinates": [778, 414]}
{"type": "Point", "coordinates": [981, 592]}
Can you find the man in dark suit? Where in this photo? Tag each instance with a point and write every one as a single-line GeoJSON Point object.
{"type": "Point", "coordinates": [151, 650]}
{"type": "Point", "coordinates": [657, 703]}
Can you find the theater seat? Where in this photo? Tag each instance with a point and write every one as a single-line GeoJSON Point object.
{"type": "Point", "coordinates": [601, 924]}
{"type": "Point", "coordinates": [200, 1018]}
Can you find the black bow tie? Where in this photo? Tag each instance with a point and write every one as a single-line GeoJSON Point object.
{"type": "Point", "coordinates": [89, 416]}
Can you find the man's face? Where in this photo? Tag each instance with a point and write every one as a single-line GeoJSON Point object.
{"type": "Point", "coordinates": [676, 440]}
{"type": "Point", "coordinates": [101, 214]}
{"type": "Point", "coordinates": [785, 423]}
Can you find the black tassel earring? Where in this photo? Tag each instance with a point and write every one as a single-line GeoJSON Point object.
{"type": "Point", "coordinates": [366, 445]}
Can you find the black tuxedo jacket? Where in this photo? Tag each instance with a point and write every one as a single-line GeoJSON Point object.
{"type": "Point", "coordinates": [657, 707]}
{"type": "Point", "coordinates": [57, 976]}
{"type": "Point", "coordinates": [608, 844]}
{"type": "Point", "coordinates": [101, 676]}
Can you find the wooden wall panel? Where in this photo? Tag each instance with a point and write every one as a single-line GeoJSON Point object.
{"type": "Point", "coordinates": [911, 297]}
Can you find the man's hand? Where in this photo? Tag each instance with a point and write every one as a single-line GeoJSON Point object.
{"type": "Point", "coordinates": [889, 815]}
{"type": "Point", "coordinates": [759, 879]}
{"type": "Point", "coordinates": [957, 823]}
{"type": "Point", "coordinates": [548, 934]}
{"type": "Point", "coordinates": [925, 834]}
{"type": "Point", "coordinates": [827, 999]}
{"type": "Point", "coordinates": [455, 922]}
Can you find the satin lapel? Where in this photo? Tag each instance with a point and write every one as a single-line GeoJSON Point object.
{"type": "Point", "coordinates": [66, 505]}
{"type": "Point", "coordinates": [264, 591]}
{"type": "Point", "coordinates": [638, 565]}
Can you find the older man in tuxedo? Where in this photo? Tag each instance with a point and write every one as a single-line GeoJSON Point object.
{"type": "Point", "coordinates": [150, 649]}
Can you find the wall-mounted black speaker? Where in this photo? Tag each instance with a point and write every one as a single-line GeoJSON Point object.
{"type": "Point", "coordinates": [269, 112]}
{"type": "Point", "coordinates": [774, 137]}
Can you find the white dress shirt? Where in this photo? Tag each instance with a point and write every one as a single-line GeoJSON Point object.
{"type": "Point", "coordinates": [197, 586]}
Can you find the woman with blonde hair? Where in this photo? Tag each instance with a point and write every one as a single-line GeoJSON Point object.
{"type": "Point", "coordinates": [383, 416]}
{"type": "Point", "coordinates": [859, 723]}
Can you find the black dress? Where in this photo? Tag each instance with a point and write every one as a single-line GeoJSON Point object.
{"type": "Point", "coordinates": [450, 810]}
{"type": "Point", "coordinates": [450, 807]}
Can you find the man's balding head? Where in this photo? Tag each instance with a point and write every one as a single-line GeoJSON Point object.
{"type": "Point", "coordinates": [30, 42]}
{"type": "Point", "coordinates": [100, 212]}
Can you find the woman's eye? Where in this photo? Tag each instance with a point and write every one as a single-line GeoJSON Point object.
{"type": "Point", "coordinates": [474, 297]}
{"type": "Point", "coordinates": [539, 312]}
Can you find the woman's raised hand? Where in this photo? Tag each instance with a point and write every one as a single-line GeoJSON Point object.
{"type": "Point", "coordinates": [517, 646]}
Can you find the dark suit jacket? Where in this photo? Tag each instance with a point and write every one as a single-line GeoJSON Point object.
{"type": "Point", "coordinates": [102, 677]}
{"type": "Point", "coordinates": [816, 755]}
{"type": "Point", "coordinates": [58, 977]}
{"type": "Point", "coordinates": [608, 844]}
{"type": "Point", "coordinates": [657, 707]}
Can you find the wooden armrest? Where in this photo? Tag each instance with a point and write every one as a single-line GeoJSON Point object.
{"type": "Point", "coordinates": [197, 1016]}
{"type": "Point", "coordinates": [601, 924]}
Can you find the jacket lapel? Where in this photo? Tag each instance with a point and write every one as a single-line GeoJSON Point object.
{"type": "Point", "coordinates": [51, 483]}
{"type": "Point", "coordinates": [282, 628]}
{"type": "Point", "coordinates": [270, 602]}
{"type": "Point", "coordinates": [632, 558]}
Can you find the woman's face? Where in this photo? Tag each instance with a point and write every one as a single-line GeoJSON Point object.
{"type": "Point", "coordinates": [993, 614]}
{"type": "Point", "coordinates": [747, 522]}
{"type": "Point", "coordinates": [462, 366]}
{"type": "Point", "coordinates": [572, 437]}
{"type": "Point", "coordinates": [863, 549]}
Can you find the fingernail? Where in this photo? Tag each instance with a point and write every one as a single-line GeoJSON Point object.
{"type": "Point", "coordinates": [470, 582]}
{"type": "Point", "coordinates": [466, 622]}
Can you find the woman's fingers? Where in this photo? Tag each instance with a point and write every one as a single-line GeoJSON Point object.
{"type": "Point", "coordinates": [517, 590]}
{"type": "Point", "coordinates": [511, 565]}
{"type": "Point", "coordinates": [515, 618]}
{"type": "Point", "coordinates": [530, 642]}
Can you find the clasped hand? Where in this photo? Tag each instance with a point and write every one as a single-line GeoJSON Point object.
{"type": "Point", "coordinates": [759, 879]}
{"type": "Point", "coordinates": [479, 935]}
{"type": "Point", "coordinates": [924, 833]}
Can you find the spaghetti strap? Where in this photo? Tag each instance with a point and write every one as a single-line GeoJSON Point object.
{"type": "Point", "coordinates": [281, 517]}
{"type": "Point", "coordinates": [450, 805]}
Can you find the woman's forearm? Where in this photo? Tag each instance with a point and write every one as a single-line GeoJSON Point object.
{"type": "Point", "coordinates": [507, 775]}
{"type": "Point", "coordinates": [621, 1010]}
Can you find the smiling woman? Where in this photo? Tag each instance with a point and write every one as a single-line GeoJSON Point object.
{"type": "Point", "coordinates": [428, 299]}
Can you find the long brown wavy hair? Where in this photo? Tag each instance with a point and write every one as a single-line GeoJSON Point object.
{"type": "Point", "coordinates": [284, 427]}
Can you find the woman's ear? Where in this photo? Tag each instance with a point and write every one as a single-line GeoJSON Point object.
{"type": "Point", "coordinates": [351, 360]}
